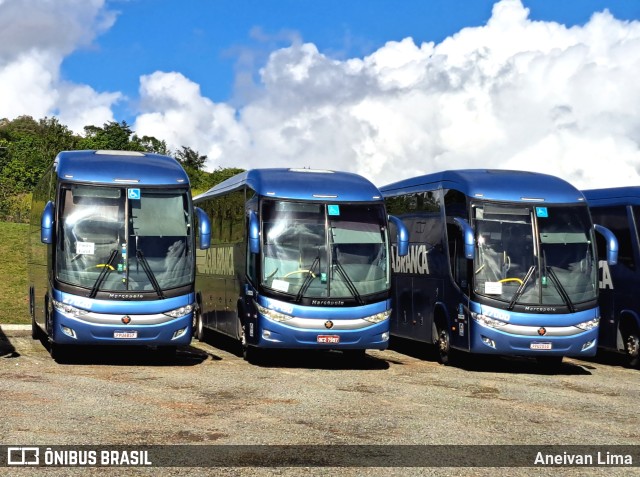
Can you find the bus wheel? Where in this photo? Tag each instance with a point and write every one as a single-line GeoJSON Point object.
{"type": "Point", "coordinates": [35, 329]}
{"type": "Point", "coordinates": [443, 345]}
{"type": "Point", "coordinates": [198, 325]}
{"type": "Point", "coordinates": [632, 348]}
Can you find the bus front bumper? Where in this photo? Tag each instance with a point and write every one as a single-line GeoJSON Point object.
{"type": "Point", "coordinates": [272, 334]}
{"type": "Point", "coordinates": [68, 330]}
{"type": "Point", "coordinates": [488, 340]}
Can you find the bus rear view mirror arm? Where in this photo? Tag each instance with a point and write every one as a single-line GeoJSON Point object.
{"type": "Point", "coordinates": [612, 243]}
{"type": "Point", "coordinates": [467, 234]}
{"type": "Point", "coordinates": [46, 223]}
{"type": "Point", "coordinates": [205, 228]}
{"type": "Point", "coordinates": [403, 235]}
{"type": "Point", "coordinates": [254, 232]}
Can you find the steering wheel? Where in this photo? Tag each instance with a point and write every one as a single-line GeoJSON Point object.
{"type": "Point", "coordinates": [300, 271]}
{"type": "Point", "coordinates": [101, 265]}
{"type": "Point", "coordinates": [504, 280]}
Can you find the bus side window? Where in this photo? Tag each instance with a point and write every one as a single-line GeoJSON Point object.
{"type": "Point", "coordinates": [615, 218]}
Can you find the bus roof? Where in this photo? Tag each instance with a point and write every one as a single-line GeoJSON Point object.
{"type": "Point", "coordinates": [492, 184]}
{"type": "Point", "coordinates": [300, 184]}
{"type": "Point", "coordinates": [119, 167]}
{"type": "Point", "coordinates": [613, 196]}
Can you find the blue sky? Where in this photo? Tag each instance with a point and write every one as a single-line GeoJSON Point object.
{"type": "Point", "coordinates": [208, 40]}
{"type": "Point", "coordinates": [384, 88]}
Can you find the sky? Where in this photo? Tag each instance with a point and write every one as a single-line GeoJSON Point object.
{"type": "Point", "coordinates": [388, 89]}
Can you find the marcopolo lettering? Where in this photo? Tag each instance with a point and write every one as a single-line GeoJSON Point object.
{"type": "Point", "coordinates": [416, 261]}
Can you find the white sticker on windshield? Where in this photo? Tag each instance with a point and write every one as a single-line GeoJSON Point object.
{"type": "Point", "coordinates": [85, 248]}
{"type": "Point", "coordinates": [280, 285]}
{"type": "Point", "coordinates": [492, 288]}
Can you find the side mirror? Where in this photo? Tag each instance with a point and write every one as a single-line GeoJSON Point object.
{"type": "Point", "coordinates": [467, 235]}
{"type": "Point", "coordinates": [254, 232]}
{"type": "Point", "coordinates": [204, 228]}
{"type": "Point", "coordinates": [46, 223]}
{"type": "Point", "coordinates": [402, 235]}
{"type": "Point", "coordinates": [612, 243]}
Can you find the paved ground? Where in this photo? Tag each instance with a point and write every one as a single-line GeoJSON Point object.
{"type": "Point", "coordinates": [209, 395]}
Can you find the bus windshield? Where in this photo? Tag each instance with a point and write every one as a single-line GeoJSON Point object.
{"type": "Point", "coordinates": [533, 255]}
{"type": "Point", "coordinates": [313, 250]}
{"type": "Point", "coordinates": [118, 239]}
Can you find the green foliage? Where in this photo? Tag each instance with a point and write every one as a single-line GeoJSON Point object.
{"type": "Point", "coordinates": [28, 147]}
{"type": "Point", "coordinates": [14, 291]}
{"type": "Point", "coordinates": [151, 144]}
{"type": "Point", "coordinates": [190, 159]}
{"type": "Point", "coordinates": [209, 179]}
{"type": "Point", "coordinates": [112, 136]}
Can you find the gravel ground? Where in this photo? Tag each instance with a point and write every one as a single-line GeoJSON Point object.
{"type": "Point", "coordinates": [209, 395]}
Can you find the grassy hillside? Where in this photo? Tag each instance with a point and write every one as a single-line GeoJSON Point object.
{"type": "Point", "coordinates": [14, 291]}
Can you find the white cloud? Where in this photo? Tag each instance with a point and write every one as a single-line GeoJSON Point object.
{"type": "Point", "coordinates": [514, 93]}
{"type": "Point", "coordinates": [35, 36]}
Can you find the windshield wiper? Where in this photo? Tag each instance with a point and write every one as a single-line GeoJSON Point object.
{"type": "Point", "coordinates": [107, 267]}
{"type": "Point", "coordinates": [308, 279]}
{"type": "Point", "coordinates": [521, 288]}
{"type": "Point", "coordinates": [561, 289]}
{"type": "Point", "coordinates": [352, 288]}
{"type": "Point", "coordinates": [149, 272]}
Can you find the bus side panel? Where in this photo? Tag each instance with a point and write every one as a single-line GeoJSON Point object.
{"type": "Point", "coordinates": [39, 254]}
{"type": "Point", "coordinates": [618, 283]}
{"type": "Point", "coordinates": [221, 268]}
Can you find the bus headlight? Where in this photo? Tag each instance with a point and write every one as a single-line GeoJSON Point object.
{"type": "Point", "coordinates": [486, 321]}
{"type": "Point", "coordinates": [589, 325]}
{"type": "Point", "coordinates": [378, 317]}
{"type": "Point", "coordinates": [179, 312]}
{"type": "Point", "coordinates": [272, 314]}
{"type": "Point", "coordinates": [68, 309]}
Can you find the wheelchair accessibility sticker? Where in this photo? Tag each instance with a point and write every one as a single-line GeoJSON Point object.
{"type": "Point", "coordinates": [133, 194]}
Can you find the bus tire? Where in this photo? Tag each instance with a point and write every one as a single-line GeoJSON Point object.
{"type": "Point", "coordinates": [35, 329]}
{"type": "Point", "coordinates": [632, 348]}
{"type": "Point", "coordinates": [198, 325]}
{"type": "Point", "coordinates": [443, 345]}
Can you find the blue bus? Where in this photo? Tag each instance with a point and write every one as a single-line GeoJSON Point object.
{"type": "Point", "coordinates": [299, 259]}
{"type": "Point", "coordinates": [112, 251]}
{"type": "Point", "coordinates": [618, 209]}
{"type": "Point", "coordinates": [500, 262]}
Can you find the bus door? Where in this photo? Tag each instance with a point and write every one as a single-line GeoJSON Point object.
{"type": "Point", "coordinates": [414, 301]}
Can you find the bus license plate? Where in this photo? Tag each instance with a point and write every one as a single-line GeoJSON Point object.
{"type": "Point", "coordinates": [125, 334]}
{"type": "Point", "coordinates": [540, 346]}
{"type": "Point", "coordinates": [328, 339]}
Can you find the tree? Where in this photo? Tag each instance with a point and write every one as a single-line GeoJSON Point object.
{"type": "Point", "coordinates": [151, 144]}
{"type": "Point", "coordinates": [111, 136]}
{"type": "Point", "coordinates": [28, 147]}
{"type": "Point", "coordinates": [190, 159]}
